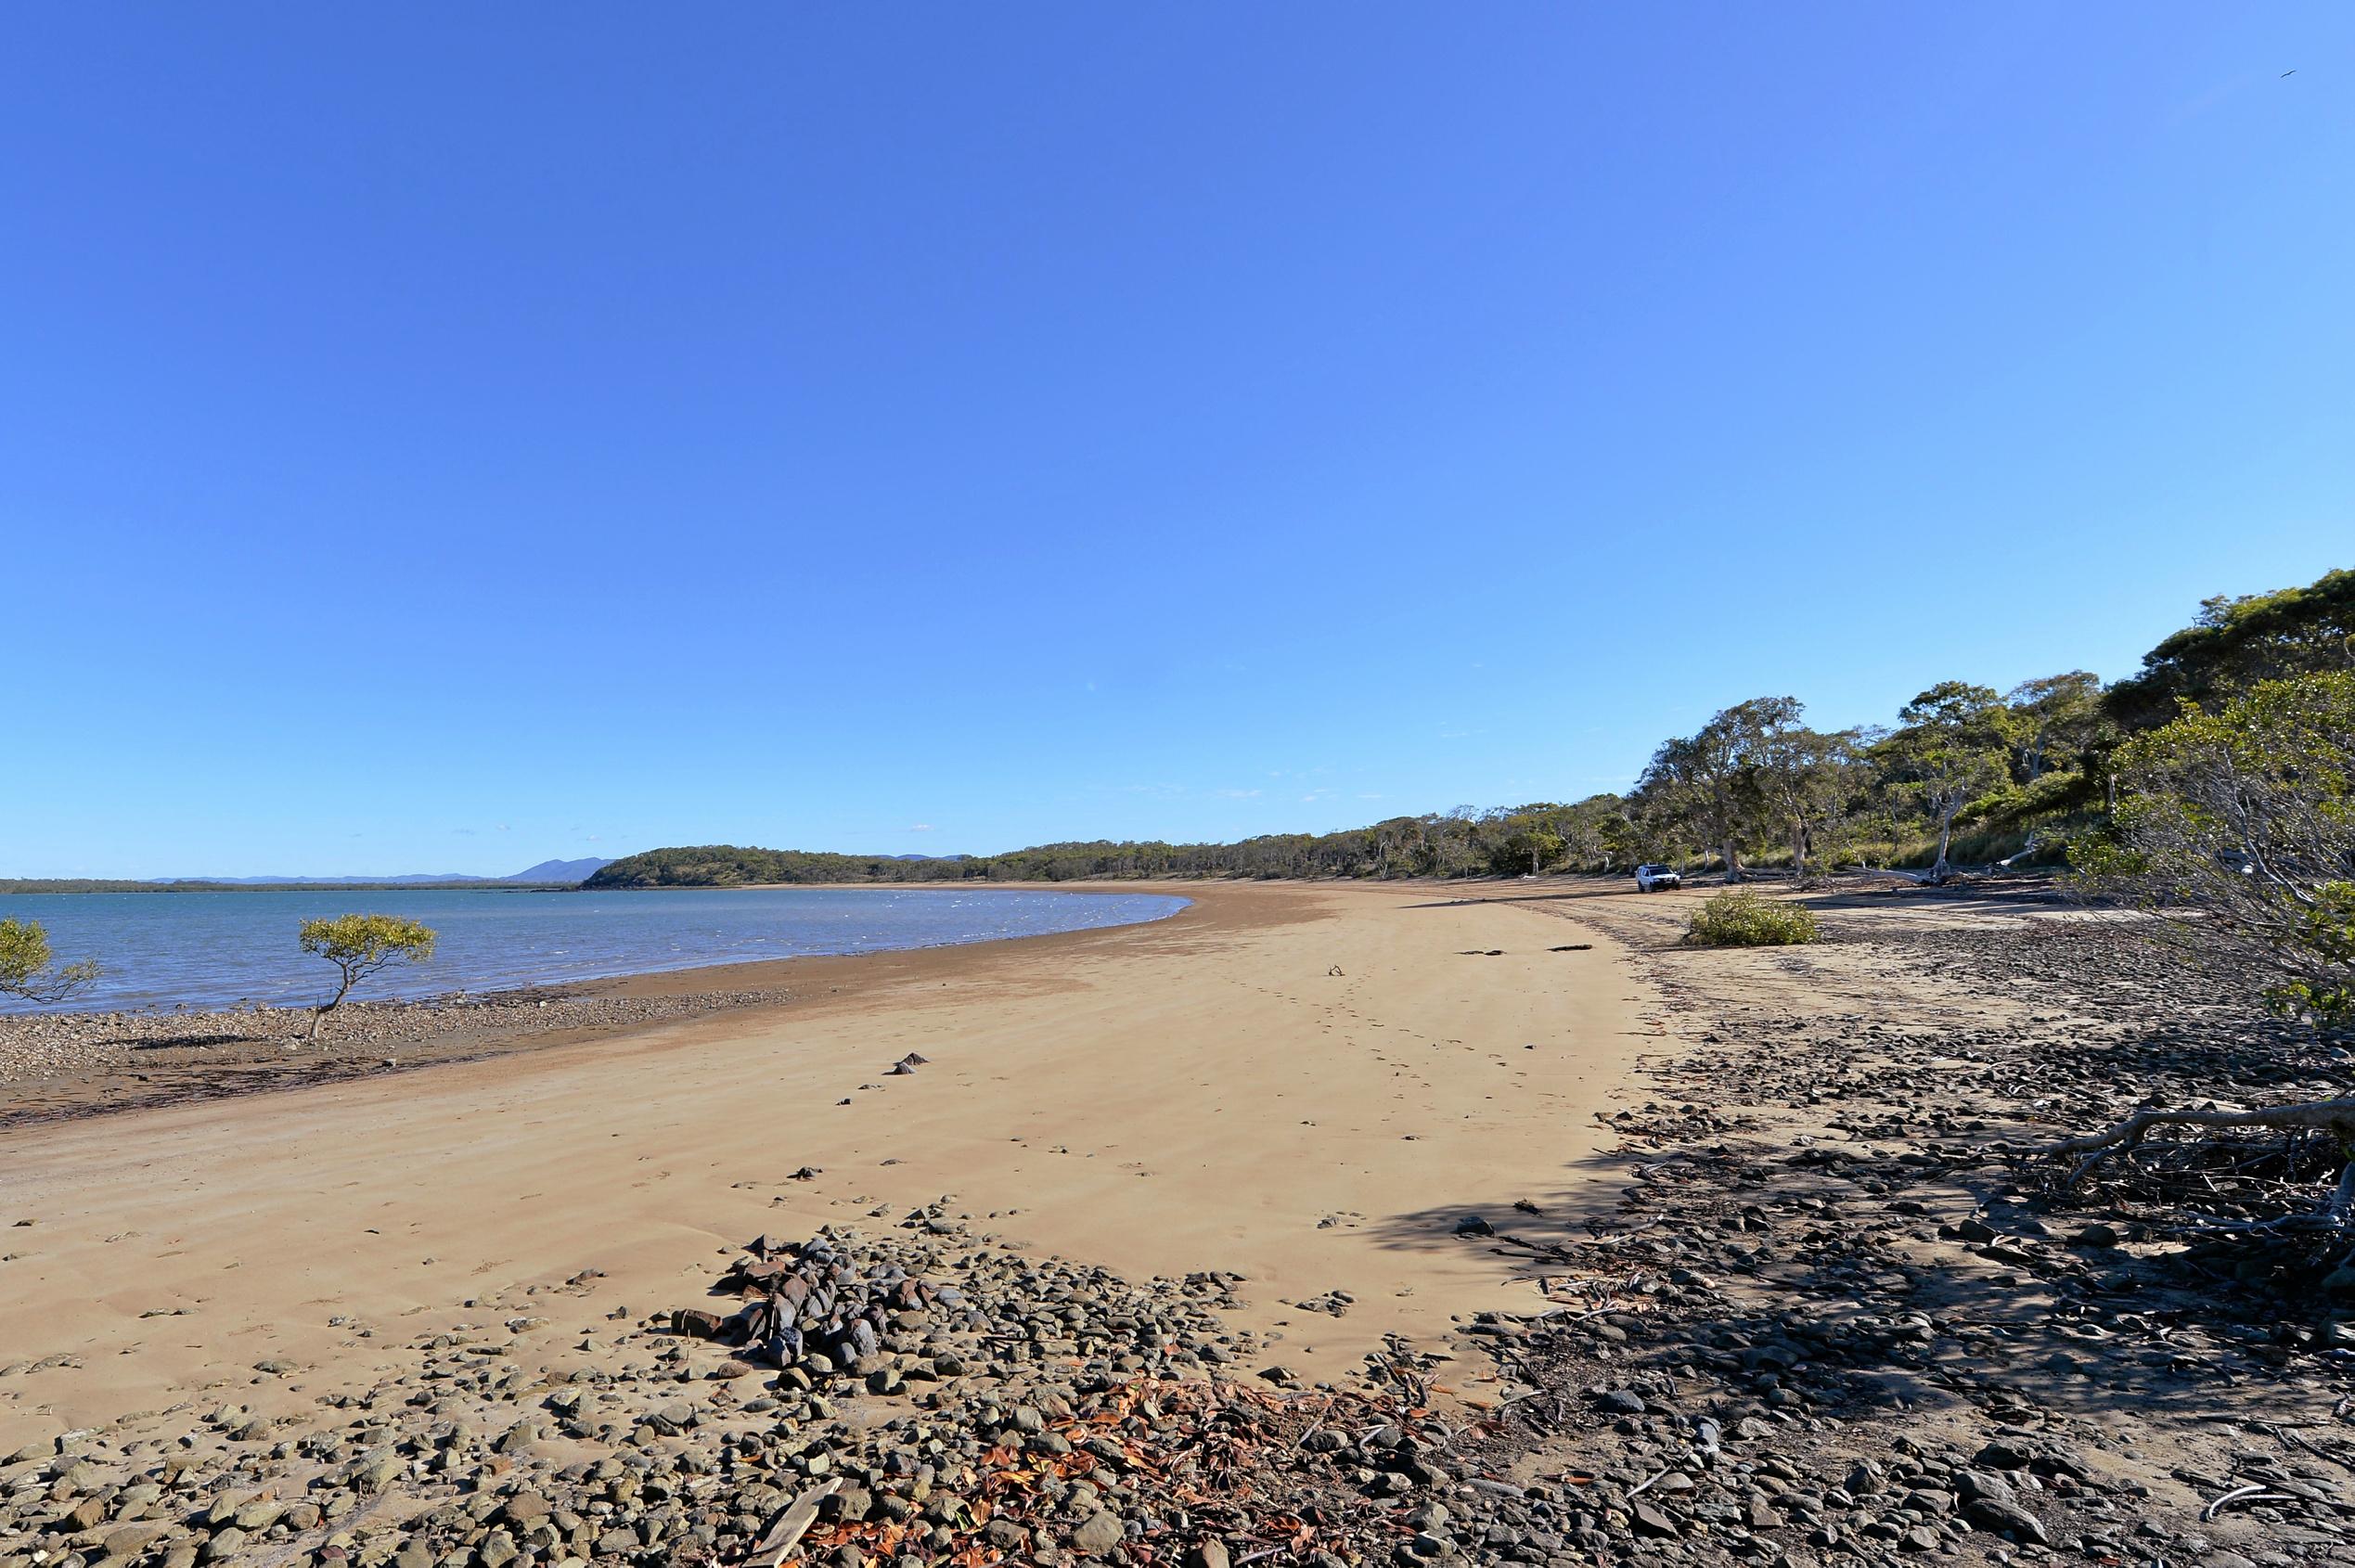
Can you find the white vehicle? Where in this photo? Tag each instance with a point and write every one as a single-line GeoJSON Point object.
{"type": "Point", "coordinates": [1652, 878]}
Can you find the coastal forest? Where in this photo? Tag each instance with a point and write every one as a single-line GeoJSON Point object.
{"type": "Point", "coordinates": [1964, 774]}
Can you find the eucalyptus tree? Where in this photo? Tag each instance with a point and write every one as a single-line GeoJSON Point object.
{"type": "Point", "coordinates": [1947, 750]}
{"type": "Point", "coordinates": [2238, 642]}
{"type": "Point", "coordinates": [2054, 714]}
{"type": "Point", "coordinates": [1807, 779]}
{"type": "Point", "coordinates": [2237, 828]}
{"type": "Point", "coordinates": [1711, 779]}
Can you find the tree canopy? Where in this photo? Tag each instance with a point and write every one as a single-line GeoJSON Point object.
{"type": "Point", "coordinates": [31, 972]}
{"type": "Point", "coordinates": [1962, 773]}
{"type": "Point", "coordinates": [359, 946]}
{"type": "Point", "coordinates": [2239, 827]}
{"type": "Point", "coordinates": [2236, 643]}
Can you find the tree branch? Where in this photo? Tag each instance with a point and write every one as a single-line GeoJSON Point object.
{"type": "Point", "coordinates": [2333, 1116]}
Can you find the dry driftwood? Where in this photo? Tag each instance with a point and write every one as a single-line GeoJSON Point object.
{"type": "Point", "coordinates": [2335, 1117]}
{"type": "Point", "coordinates": [792, 1525]}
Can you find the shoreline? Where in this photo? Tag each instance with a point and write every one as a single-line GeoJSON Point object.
{"type": "Point", "coordinates": [1271, 1082]}
{"type": "Point", "coordinates": [69, 1065]}
{"type": "Point", "coordinates": [1641, 1248]}
{"type": "Point", "coordinates": [165, 1008]}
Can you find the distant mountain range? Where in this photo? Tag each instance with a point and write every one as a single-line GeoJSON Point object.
{"type": "Point", "coordinates": [565, 871]}
{"type": "Point", "coordinates": [561, 871]}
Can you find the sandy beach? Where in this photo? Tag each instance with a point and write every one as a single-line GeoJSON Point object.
{"type": "Point", "coordinates": [1304, 1084]}
{"type": "Point", "coordinates": [1769, 1222]}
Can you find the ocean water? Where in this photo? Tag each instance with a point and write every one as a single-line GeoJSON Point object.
{"type": "Point", "coordinates": [224, 949]}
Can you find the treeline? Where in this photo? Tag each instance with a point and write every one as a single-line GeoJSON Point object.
{"type": "Point", "coordinates": [1455, 844]}
{"type": "Point", "coordinates": [1966, 773]}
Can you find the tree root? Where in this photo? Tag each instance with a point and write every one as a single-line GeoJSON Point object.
{"type": "Point", "coordinates": [2334, 1118]}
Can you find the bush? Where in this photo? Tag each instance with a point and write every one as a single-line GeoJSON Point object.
{"type": "Point", "coordinates": [1741, 918]}
{"type": "Point", "coordinates": [2237, 828]}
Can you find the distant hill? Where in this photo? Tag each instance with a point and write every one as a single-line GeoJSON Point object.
{"type": "Point", "coordinates": [733, 866]}
{"type": "Point", "coordinates": [561, 871]}
{"type": "Point", "coordinates": [413, 879]}
{"type": "Point", "coordinates": [565, 872]}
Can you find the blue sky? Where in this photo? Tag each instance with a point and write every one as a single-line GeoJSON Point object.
{"type": "Point", "coordinates": [439, 438]}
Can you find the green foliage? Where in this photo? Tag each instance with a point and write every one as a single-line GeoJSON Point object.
{"type": "Point", "coordinates": [359, 946]}
{"type": "Point", "coordinates": [2326, 930]}
{"type": "Point", "coordinates": [1965, 776]}
{"type": "Point", "coordinates": [2237, 825]}
{"type": "Point", "coordinates": [1529, 849]}
{"type": "Point", "coordinates": [1714, 783]}
{"type": "Point", "coordinates": [732, 866]}
{"type": "Point", "coordinates": [1948, 749]}
{"type": "Point", "coordinates": [1590, 834]}
{"type": "Point", "coordinates": [2055, 721]}
{"type": "Point", "coordinates": [1739, 918]}
{"type": "Point", "coordinates": [2238, 643]}
{"type": "Point", "coordinates": [2048, 795]}
{"type": "Point", "coordinates": [369, 942]}
{"type": "Point", "coordinates": [29, 971]}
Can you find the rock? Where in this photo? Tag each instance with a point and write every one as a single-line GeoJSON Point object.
{"type": "Point", "coordinates": [2006, 1519]}
{"type": "Point", "coordinates": [2004, 1453]}
{"type": "Point", "coordinates": [130, 1540]}
{"type": "Point", "coordinates": [1099, 1534]}
{"type": "Point", "coordinates": [376, 1474]}
{"type": "Point", "coordinates": [1972, 1484]}
{"type": "Point", "coordinates": [1650, 1521]}
{"type": "Point", "coordinates": [1619, 1401]}
{"type": "Point", "coordinates": [1208, 1552]}
{"type": "Point", "coordinates": [1473, 1225]}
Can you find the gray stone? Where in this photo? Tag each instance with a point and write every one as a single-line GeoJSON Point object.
{"type": "Point", "coordinates": [1099, 1534]}
{"type": "Point", "coordinates": [2006, 1518]}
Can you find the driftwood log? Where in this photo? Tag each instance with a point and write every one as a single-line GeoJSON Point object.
{"type": "Point", "coordinates": [2335, 1118]}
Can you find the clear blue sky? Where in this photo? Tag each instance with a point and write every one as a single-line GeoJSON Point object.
{"type": "Point", "coordinates": [436, 438]}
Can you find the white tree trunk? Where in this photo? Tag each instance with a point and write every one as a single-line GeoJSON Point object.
{"type": "Point", "coordinates": [1946, 835]}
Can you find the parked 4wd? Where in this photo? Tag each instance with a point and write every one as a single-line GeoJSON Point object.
{"type": "Point", "coordinates": [1652, 878]}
